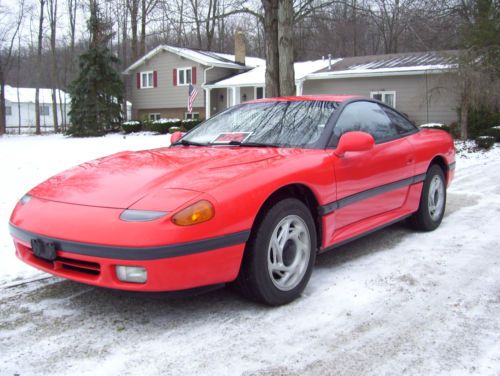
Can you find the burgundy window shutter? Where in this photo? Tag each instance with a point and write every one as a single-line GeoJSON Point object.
{"type": "Point", "coordinates": [138, 80]}
{"type": "Point", "coordinates": [174, 77]}
{"type": "Point", "coordinates": [155, 78]}
{"type": "Point", "coordinates": [193, 75]}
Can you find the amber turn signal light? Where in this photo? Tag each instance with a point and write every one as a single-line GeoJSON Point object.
{"type": "Point", "coordinates": [199, 212]}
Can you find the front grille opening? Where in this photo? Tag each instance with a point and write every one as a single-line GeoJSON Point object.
{"type": "Point", "coordinates": [80, 270]}
{"type": "Point", "coordinates": [81, 266]}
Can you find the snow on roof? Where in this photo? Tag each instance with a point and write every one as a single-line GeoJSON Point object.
{"type": "Point", "coordinates": [208, 58]}
{"type": "Point", "coordinates": [257, 76]}
{"type": "Point", "coordinates": [389, 64]}
{"type": "Point", "coordinates": [27, 95]}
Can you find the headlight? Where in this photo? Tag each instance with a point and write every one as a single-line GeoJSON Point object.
{"type": "Point", "coordinates": [25, 199]}
{"type": "Point", "coordinates": [141, 215]}
{"type": "Point", "coordinates": [199, 212]}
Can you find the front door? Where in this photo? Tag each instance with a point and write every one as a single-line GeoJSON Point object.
{"type": "Point", "coordinates": [376, 181]}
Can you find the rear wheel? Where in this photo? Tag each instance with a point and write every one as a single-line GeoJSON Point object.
{"type": "Point", "coordinates": [432, 201]}
{"type": "Point", "coordinates": [280, 254]}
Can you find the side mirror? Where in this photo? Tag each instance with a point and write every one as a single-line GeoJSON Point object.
{"type": "Point", "coordinates": [176, 136]}
{"type": "Point", "coordinates": [354, 141]}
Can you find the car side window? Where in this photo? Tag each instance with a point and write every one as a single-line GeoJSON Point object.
{"type": "Point", "coordinates": [367, 117]}
{"type": "Point", "coordinates": [400, 123]}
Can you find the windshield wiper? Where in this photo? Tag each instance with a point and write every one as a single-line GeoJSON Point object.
{"type": "Point", "coordinates": [188, 143]}
{"type": "Point", "coordinates": [253, 144]}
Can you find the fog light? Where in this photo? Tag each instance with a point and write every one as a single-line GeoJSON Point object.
{"type": "Point", "coordinates": [136, 274]}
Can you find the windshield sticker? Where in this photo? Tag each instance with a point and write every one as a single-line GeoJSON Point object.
{"type": "Point", "coordinates": [227, 137]}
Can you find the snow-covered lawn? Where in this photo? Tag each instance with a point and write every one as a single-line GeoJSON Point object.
{"type": "Point", "coordinates": [395, 302]}
{"type": "Point", "coordinates": [28, 160]}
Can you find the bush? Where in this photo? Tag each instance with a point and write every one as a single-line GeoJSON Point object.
{"type": "Point", "coordinates": [455, 130]}
{"type": "Point", "coordinates": [485, 142]}
{"type": "Point", "coordinates": [189, 124]}
{"type": "Point", "coordinates": [162, 125]}
{"type": "Point", "coordinates": [131, 126]}
{"type": "Point", "coordinates": [481, 119]}
{"type": "Point", "coordinates": [176, 129]}
{"type": "Point", "coordinates": [493, 132]}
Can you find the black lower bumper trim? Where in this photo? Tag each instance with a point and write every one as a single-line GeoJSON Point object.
{"type": "Point", "coordinates": [136, 253]}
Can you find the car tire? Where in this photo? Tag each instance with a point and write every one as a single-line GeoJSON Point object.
{"type": "Point", "coordinates": [432, 201]}
{"type": "Point", "coordinates": [280, 254]}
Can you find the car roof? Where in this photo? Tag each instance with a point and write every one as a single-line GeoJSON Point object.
{"type": "Point", "coordinates": [325, 98]}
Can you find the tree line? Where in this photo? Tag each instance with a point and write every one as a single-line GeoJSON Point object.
{"type": "Point", "coordinates": [40, 40]}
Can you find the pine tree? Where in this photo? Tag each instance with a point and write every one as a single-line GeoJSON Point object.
{"type": "Point", "coordinates": [97, 93]}
{"type": "Point", "coordinates": [479, 62]}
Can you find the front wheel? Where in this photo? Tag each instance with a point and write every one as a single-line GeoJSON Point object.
{"type": "Point", "coordinates": [280, 254]}
{"type": "Point", "coordinates": [432, 201]}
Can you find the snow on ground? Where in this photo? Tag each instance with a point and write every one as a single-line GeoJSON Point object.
{"type": "Point", "coordinates": [395, 302]}
{"type": "Point", "coordinates": [29, 160]}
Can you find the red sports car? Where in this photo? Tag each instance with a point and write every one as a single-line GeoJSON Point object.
{"type": "Point", "coordinates": [249, 196]}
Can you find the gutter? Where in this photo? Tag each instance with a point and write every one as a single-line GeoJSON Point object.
{"type": "Point", "coordinates": [354, 74]}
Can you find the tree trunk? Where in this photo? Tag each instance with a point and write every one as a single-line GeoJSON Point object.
{"type": "Point", "coordinates": [285, 48]}
{"type": "Point", "coordinates": [3, 120]}
{"type": "Point", "coordinates": [39, 69]}
{"type": "Point", "coordinates": [142, 47]}
{"type": "Point", "coordinates": [271, 47]}
{"type": "Point", "coordinates": [53, 23]}
{"type": "Point", "coordinates": [133, 6]}
{"type": "Point", "coordinates": [464, 112]}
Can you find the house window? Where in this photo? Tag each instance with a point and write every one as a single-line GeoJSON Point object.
{"type": "Point", "coordinates": [44, 110]}
{"type": "Point", "coordinates": [259, 92]}
{"type": "Point", "coordinates": [184, 76]}
{"type": "Point", "coordinates": [154, 116]}
{"type": "Point", "coordinates": [387, 97]}
{"type": "Point", "coordinates": [192, 115]}
{"type": "Point", "coordinates": [8, 110]}
{"type": "Point", "coordinates": [147, 80]}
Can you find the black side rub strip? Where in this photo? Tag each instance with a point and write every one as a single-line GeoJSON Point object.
{"type": "Point", "coordinates": [136, 253]}
{"type": "Point", "coordinates": [330, 207]}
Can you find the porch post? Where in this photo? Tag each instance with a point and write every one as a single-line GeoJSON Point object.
{"type": "Point", "coordinates": [299, 88]}
{"type": "Point", "coordinates": [207, 103]}
{"type": "Point", "coordinates": [236, 95]}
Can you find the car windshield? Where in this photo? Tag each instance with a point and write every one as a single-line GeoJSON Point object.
{"type": "Point", "coordinates": [278, 123]}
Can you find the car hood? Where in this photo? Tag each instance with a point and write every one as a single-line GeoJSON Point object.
{"type": "Point", "coordinates": [172, 175]}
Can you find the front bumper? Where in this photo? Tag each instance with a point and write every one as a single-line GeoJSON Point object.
{"type": "Point", "coordinates": [170, 268]}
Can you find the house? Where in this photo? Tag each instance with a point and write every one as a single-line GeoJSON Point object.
{"type": "Point", "coordinates": [160, 79]}
{"type": "Point", "coordinates": [20, 109]}
{"type": "Point", "coordinates": [423, 85]}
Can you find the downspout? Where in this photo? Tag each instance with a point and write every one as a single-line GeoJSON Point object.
{"type": "Point", "coordinates": [427, 94]}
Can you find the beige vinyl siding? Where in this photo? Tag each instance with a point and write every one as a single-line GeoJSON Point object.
{"type": "Point", "coordinates": [423, 99]}
{"type": "Point", "coordinates": [218, 74]}
{"type": "Point", "coordinates": [249, 91]}
{"type": "Point", "coordinates": [166, 95]}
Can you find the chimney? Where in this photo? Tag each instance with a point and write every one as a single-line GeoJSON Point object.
{"type": "Point", "coordinates": [239, 47]}
{"type": "Point", "coordinates": [329, 61]}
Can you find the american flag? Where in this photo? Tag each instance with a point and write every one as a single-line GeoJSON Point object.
{"type": "Point", "coordinates": [191, 97]}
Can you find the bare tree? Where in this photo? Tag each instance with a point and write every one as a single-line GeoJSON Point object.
{"type": "Point", "coordinates": [9, 28]}
{"type": "Point", "coordinates": [52, 16]}
{"type": "Point", "coordinates": [39, 67]}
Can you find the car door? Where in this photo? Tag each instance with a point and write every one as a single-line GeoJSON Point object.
{"type": "Point", "coordinates": [376, 181]}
